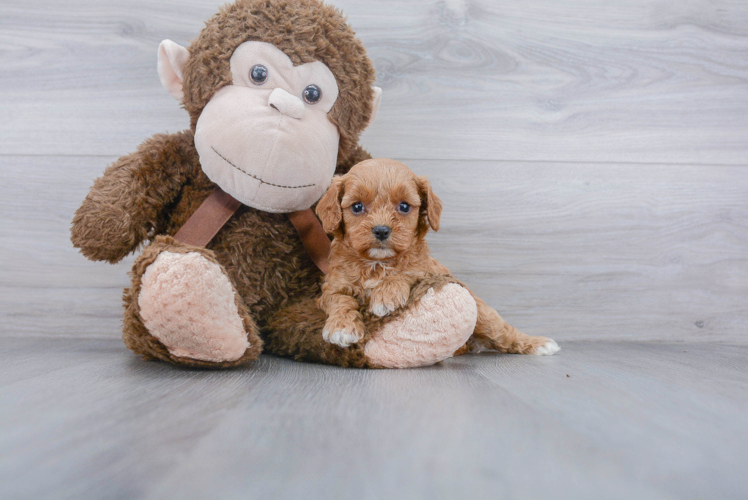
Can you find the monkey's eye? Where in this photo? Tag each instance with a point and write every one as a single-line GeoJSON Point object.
{"type": "Point", "coordinates": [312, 94]}
{"type": "Point", "coordinates": [403, 207]}
{"type": "Point", "coordinates": [258, 74]}
{"type": "Point", "coordinates": [357, 208]}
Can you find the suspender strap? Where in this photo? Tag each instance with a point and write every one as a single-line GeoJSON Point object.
{"type": "Point", "coordinates": [218, 208]}
{"type": "Point", "coordinates": [208, 219]}
{"type": "Point", "coordinates": [313, 237]}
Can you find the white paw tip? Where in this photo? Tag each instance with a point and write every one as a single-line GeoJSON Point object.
{"type": "Point", "coordinates": [379, 310]}
{"type": "Point", "coordinates": [548, 349]}
{"type": "Point", "coordinates": [343, 338]}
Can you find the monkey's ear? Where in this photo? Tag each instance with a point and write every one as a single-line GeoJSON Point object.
{"type": "Point", "coordinates": [172, 58]}
{"type": "Point", "coordinates": [431, 205]}
{"type": "Point", "coordinates": [375, 104]}
{"type": "Point", "coordinates": [328, 208]}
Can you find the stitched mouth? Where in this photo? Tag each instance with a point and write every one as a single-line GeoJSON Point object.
{"type": "Point", "coordinates": [255, 177]}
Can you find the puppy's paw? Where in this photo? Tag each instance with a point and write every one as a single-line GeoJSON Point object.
{"type": "Point", "coordinates": [343, 333]}
{"type": "Point", "coordinates": [548, 349]}
{"type": "Point", "coordinates": [387, 299]}
{"type": "Point", "coordinates": [380, 309]}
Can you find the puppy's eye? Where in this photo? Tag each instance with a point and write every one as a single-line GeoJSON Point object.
{"type": "Point", "coordinates": [258, 74]}
{"type": "Point", "coordinates": [403, 207]}
{"type": "Point", "coordinates": [312, 94]}
{"type": "Point", "coordinates": [357, 208]}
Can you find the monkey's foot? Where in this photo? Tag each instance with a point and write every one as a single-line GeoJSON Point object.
{"type": "Point", "coordinates": [188, 303]}
{"type": "Point", "coordinates": [429, 332]}
{"type": "Point", "coordinates": [438, 319]}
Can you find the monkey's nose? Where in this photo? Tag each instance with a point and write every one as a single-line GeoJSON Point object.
{"type": "Point", "coordinates": [381, 232]}
{"type": "Point", "coordinates": [286, 103]}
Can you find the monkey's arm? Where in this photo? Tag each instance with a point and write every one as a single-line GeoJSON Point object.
{"type": "Point", "coordinates": [130, 199]}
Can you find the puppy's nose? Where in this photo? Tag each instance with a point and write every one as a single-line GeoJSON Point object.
{"type": "Point", "coordinates": [381, 232]}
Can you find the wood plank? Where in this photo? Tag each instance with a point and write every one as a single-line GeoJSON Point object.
{"type": "Point", "coordinates": [587, 81]}
{"type": "Point", "coordinates": [46, 286]}
{"type": "Point", "coordinates": [87, 419]}
{"type": "Point", "coordinates": [577, 251]}
{"type": "Point", "coordinates": [571, 251]}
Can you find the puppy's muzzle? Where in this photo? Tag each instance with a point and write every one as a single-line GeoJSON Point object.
{"type": "Point", "coordinates": [381, 232]}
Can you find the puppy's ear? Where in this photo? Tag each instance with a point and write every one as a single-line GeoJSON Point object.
{"type": "Point", "coordinates": [328, 208]}
{"type": "Point", "coordinates": [431, 206]}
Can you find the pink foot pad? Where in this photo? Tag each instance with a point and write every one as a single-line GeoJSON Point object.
{"type": "Point", "coordinates": [187, 303]}
{"type": "Point", "coordinates": [434, 329]}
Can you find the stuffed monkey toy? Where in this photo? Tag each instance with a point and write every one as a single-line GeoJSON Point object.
{"type": "Point", "coordinates": [278, 92]}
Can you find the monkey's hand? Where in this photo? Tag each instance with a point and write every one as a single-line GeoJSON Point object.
{"type": "Point", "coordinates": [128, 201]}
{"type": "Point", "coordinates": [391, 294]}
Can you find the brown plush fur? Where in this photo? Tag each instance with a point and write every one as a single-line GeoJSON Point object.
{"type": "Point", "coordinates": [155, 190]}
{"type": "Point", "coordinates": [365, 271]}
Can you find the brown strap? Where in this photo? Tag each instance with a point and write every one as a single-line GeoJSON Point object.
{"type": "Point", "coordinates": [218, 208]}
{"type": "Point", "coordinates": [313, 237]}
{"type": "Point", "coordinates": [208, 219]}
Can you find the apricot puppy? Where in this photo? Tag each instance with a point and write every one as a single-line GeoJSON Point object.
{"type": "Point", "coordinates": [379, 214]}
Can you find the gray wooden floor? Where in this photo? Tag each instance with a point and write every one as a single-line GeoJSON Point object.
{"type": "Point", "coordinates": [592, 156]}
{"type": "Point", "coordinates": [82, 419]}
